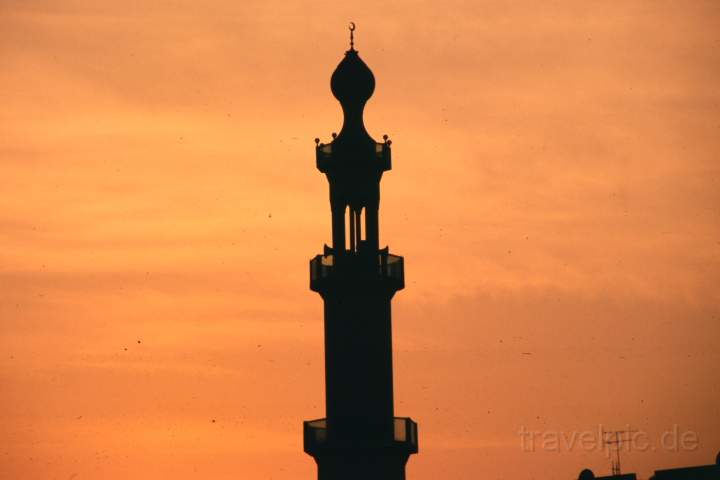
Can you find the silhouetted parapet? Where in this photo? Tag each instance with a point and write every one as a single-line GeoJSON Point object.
{"type": "Point", "coordinates": [700, 472]}
{"type": "Point", "coordinates": [319, 439]}
{"type": "Point", "coordinates": [328, 163]}
{"type": "Point", "coordinates": [347, 269]}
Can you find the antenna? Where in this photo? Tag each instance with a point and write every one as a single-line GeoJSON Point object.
{"type": "Point", "coordinates": [616, 438]}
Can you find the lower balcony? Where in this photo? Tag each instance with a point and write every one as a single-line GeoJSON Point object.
{"type": "Point", "coordinates": [317, 438]}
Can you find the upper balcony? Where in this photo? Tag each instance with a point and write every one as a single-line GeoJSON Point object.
{"type": "Point", "coordinates": [349, 265]}
{"type": "Point", "coordinates": [324, 156]}
{"type": "Point", "coordinates": [316, 438]}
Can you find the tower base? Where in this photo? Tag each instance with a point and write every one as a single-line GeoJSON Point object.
{"type": "Point", "coordinates": [362, 466]}
{"type": "Point", "coordinates": [358, 458]}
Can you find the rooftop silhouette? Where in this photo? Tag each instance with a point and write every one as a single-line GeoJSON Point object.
{"type": "Point", "coordinates": [698, 472]}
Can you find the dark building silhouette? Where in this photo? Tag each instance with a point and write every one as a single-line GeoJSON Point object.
{"type": "Point", "coordinates": [588, 474]}
{"type": "Point", "coordinates": [361, 438]}
{"type": "Point", "coordinates": [701, 472]}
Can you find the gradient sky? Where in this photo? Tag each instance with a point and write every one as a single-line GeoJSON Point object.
{"type": "Point", "coordinates": [555, 192]}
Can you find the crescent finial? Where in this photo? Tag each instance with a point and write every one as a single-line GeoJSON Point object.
{"type": "Point", "coordinates": [352, 37]}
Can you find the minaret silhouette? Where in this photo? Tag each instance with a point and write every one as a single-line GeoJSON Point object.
{"type": "Point", "coordinates": [360, 438]}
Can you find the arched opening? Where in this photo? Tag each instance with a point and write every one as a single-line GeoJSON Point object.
{"type": "Point", "coordinates": [350, 228]}
{"type": "Point", "coordinates": [354, 226]}
{"type": "Point", "coordinates": [358, 228]}
{"type": "Point", "coordinates": [371, 227]}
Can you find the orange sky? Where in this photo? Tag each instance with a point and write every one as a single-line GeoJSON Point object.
{"type": "Point", "coordinates": [555, 191]}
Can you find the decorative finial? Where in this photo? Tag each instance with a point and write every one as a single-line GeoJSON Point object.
{"type": "Point", "coordinates": [352, 37]}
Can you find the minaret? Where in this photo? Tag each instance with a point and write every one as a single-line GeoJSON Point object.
{"type": "Point", "coordinates": [361, 438]}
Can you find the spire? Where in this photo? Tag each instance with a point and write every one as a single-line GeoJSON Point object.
{"type": "Point", "coordinates": [353, 83]}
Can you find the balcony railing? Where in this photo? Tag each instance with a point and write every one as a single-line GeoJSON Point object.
{"type": "Point", "coordinates": [388, 266]}
{"type": "Point", "coordinates": [391, 266]}
{"type": "Point", "coordinates": [317, 437]}
{"type": "Point", "coordinates": [321, 267]}
{"type": "Point", "coordinates": [324, 155]}
{"type": "Point", "coordinates": [405, 431]}
{"type": "Point", "coordinates": [382, 153]}
{"type": "Point", "coordinates": [315, 432]}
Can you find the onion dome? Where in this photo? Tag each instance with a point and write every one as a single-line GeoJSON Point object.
{"type": "Point", "coordinates": [352, 81]}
